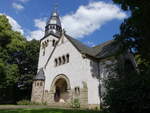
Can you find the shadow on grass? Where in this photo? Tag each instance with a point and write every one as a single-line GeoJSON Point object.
{"type": "Point", "coordinates": [50, 110]}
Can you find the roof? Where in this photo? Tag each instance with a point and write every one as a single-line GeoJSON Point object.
{"type": "Point", "coordinates": [54, 19]}
{"type": "Point", "coordinates": [103, 50]}
{"type": "Point", "coordinates": [40, 75]}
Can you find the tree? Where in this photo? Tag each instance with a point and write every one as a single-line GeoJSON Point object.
{"type": "Point", "coordinates": [28, 67]}
{"type": "Point", "coordinates": [130, 91]}
{"type": "Point", "coordinates": [18, 63]}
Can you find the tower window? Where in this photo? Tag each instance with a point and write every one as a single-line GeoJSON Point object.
{"type": "Point", "coordinates": [43, 52]}
{"type": "Point", "coordinates": [53, 43]}
{"type": "Point", "coordinates": [41, 84]}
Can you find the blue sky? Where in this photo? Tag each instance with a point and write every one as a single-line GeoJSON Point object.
{"type": "Point", "coordinates": [90, 21]}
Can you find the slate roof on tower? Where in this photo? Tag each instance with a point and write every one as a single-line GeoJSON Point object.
{"type": "Point", "coordinates": [40, 75]}
{"type": "Point", "coordinates": [54, 19]}
{"type": "Point", "coordinates": [53, 25]}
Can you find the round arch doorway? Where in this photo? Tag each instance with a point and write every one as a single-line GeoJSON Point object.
{"type": "Point", "coordinates": [61, 87]}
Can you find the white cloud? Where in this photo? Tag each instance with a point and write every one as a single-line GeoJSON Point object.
{"type": "Point", "coordinates": [84, 21]}
{"type": "Point", "coordinates": [90, 17]}
{"type": "Point", "coordinates": [40, 23]}
{"type": "Point", "coordinates": [39, 32]}
{"type": "Point", "coordinates": [17, 6]}
{"type": "Point", "coordinates": [90, 43]}
{"type": "Point", "coordinates": [14, 24]}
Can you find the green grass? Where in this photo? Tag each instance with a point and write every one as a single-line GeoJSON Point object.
{"type": "Point", "coordinates": [47, 110]}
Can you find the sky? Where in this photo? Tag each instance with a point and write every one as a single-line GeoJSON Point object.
{"type": "Point", "coordinates": [90, 21]}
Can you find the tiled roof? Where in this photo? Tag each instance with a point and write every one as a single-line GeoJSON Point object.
{"type": "Point", "coordinates": [100, 51]}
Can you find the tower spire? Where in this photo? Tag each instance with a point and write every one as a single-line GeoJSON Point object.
{"type": "Point", "coordinates": [53, 25]}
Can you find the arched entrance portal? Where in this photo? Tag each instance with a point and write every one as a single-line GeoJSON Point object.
{"type": "Point", "coordinates": [61, 87]}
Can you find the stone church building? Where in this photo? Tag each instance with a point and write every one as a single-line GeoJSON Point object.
{"type": "Point", "coordinates": [70, 73]}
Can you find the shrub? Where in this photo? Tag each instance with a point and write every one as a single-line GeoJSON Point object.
{"type": "Point", "coordinates": [75, 103]}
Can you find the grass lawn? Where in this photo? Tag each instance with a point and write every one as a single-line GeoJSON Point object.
{"type": "Point", "coordinates": [47, 110]}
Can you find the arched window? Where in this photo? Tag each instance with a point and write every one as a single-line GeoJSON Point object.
{"type": "Point", "coordinates": [41, 83]}
{"type": "Point", "coordinates": [53, 43]}
{"type": "Point", "coordinates": [56, 62]}
{"type": "Point", "coordinates": [77, 91]}
{"type": "Point", "coordinates": [59, 60]}
{"type": "Point", "coordinates": [67, 58]}
{"type": "Point", "coordinates": [64, 59]}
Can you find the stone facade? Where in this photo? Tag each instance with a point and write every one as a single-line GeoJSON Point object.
{"type": "Point", "coordinates": [38, 91]}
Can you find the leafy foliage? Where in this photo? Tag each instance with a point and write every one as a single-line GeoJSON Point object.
{"type": "Point", "coordinates": [27, 102]}
{"type": "Point", "coordinates": [129, 91]}
{"type": "Point", "coordinates": [75, 103]}
{"type": "Point", "coordinates": [18, 63]}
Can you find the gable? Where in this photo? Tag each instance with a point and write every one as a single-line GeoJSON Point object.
{"type": "Point", "coordinates": [64, 47]}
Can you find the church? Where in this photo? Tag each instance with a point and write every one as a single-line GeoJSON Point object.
{"type": "Point", "coordinates": [71, 74]}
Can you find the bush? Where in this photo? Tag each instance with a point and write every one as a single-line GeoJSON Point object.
{"type": "Point", "coordinates": [75, 103]}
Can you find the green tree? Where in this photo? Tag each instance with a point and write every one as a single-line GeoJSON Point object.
{"type": "Point", "coordinates": [18, 63]}
{"type": "Point", "coordinates": [130, 91]}
{"type": "Point", "coordinates": [28, 67]}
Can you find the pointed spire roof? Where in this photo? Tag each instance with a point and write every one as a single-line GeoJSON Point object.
{"type": "Point", "coordinates": [54, 19]}
{"type": "Point", "coordinates": [40, 75]}
{"type": "Point", "coordinates": [53, 25]}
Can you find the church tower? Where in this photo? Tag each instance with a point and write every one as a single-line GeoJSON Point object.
{"type": "Point", "coordinates": [53, 25]}
{"type": "Point", "coordinates": [53, 32]}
